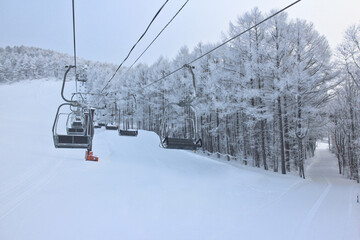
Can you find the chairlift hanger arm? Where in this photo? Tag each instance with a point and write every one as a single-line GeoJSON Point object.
{"type": "Point", "coordinates": [193, 76]}
{"type": "Point", "coordinates": [63, 86]}
{"type": "Point", "coordinates": [187, 102]}
{"type": "Point", "coordinates": [134, 97]}
{"type": "Point", "coordinates": [74, 94]}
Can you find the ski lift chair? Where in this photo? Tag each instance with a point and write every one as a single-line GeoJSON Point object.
{"type": "Point", "coordinates": [191, 143]}
{"type": "Point", "coordinates": [81, 118]}
{"type": "Point", "coordinates": [182, 143]}
{"type": "Point", "coordinates": [111, 126]}
{"type": "Point", "coordinates": [128, 127]}
{"type": "Point", "coordinates": [75, 124]}
{"type": "Point", "coordinates": [70, 139]}
{"type": "Point", "coordinates": [111, 117]}
{"type": "Point", "coordinates": [128, 132]}
{"type": "Point", "coordinates": [98, 120]}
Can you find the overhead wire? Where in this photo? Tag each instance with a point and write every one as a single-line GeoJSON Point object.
{"type": "Point", "coordinates": [73, 15]}
{"type": "Point", "coordinates": [157, 36]}
{"type": "Point", "coordinates": [222, 44]}
{"type": "Point", "coordinates": [153, 19]}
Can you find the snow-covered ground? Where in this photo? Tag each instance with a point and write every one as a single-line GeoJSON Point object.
{"type": "Point", "coordinates": [138, 190]}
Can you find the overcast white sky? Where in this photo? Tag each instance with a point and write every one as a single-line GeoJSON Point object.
{"type": "Point", "coordinates": [107, 29]}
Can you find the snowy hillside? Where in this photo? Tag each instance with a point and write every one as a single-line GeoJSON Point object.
{"type": "Point", "coordinates": [138, 190]}
{"type": "Point", "coordinates": [22, 63]}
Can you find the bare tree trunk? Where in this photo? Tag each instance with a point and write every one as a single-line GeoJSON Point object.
{"type": "Point", "coordinates": [149, 118]}
{"type": "Point", "coordinates": [301, 158]}
{"type": "Point", "coordinates": [263, 149]}
{"type": "Point", "coordinates": [245, 140]}
{"type": "Point", "coordinates": [281, 137]}
{"type": "Point", "coordinates": [300, 136]}
{"type": "Point", "coordinates": [202, 131]}
{"type": "Point", "coordinates": [227, 136]}
{"type": "Point", "coordinates": [274, 142]}
{"type": "Point", "coordinates": [210, 138]}
{"type": "Point", "coordinates": [286, 137]}
{"type": "Point", "coordinates": [218, 133]}
{"type": "Point", "coordinates": [354, 157]}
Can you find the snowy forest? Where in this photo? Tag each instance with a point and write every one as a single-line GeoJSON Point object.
{"type": "Point", "coordinates": [264, 98]}
{"type": "Point", "coordinates": [23, 63]}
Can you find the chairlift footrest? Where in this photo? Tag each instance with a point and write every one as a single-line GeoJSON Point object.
{"type": "Point", "coordinates": [90, 157]}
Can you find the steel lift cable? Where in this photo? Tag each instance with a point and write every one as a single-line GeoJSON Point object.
{"type": "Point", "coordinates": [162, 30]}
{"type": "Point", "coordinates": [158, 12]}
{"type": "Point", "coordinates": [73, 15]}
{"type": "Point", "coordinates": [222, 44]}
{"type": "Point", "coordinates": [157, 36]}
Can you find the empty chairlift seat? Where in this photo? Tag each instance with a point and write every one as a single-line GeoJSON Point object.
{"type": "Point", "coordinates": [128, 132]}
{"type": "Point", "coordinates": [182, 143]}
{"type": "Point", "coordinates": [75, 125]}
{"type": "Point", "coordinates": [128, 121]}
{"type": "Point", "coordinates": [190, 122]}
{"type": "Point", "coordinates": [78, 134]}
{"type": "Point", "coordinates": [77, 128]}
{"type": "Point", "coordinates": [111, 127]}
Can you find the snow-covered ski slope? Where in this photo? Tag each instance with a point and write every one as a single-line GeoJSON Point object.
{"type": "Point", "coordinates": [140, 191]}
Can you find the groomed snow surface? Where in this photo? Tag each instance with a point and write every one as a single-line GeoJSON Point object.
{"type": "Point", "coordinates": [138, 190]}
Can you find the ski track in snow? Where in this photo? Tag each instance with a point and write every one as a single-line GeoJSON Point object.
{"type": "Point", "coordinates": [308, 220]}
{"type": "Point", "coordinates": [25, 188]}
{"type": "Point", "coordinates": [319, 212]}
{"type": "Point", "coordinates": [138, 190]}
